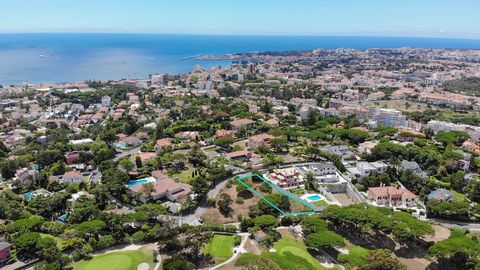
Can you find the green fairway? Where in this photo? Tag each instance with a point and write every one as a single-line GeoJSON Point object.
{"type": "Point", "coordinates": [287, 244]}
{"type": "Point", "coordinates": [357, 256]}
{"type": "Point", "coordinates": [289, 255]}
{"type": "Point", "coordinates": [122, 260]}
{"type": "Point", "coordinates": [221, 246]}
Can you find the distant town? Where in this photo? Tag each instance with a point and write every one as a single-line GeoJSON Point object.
{"type": "Point", "coordinates": [323, 159]}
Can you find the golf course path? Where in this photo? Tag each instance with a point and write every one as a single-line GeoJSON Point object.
{"type": "Point", "coordinates": [159, 262]}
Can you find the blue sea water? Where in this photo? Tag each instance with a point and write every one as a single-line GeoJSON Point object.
{"type": "Point", "coordinates": [36, 58]}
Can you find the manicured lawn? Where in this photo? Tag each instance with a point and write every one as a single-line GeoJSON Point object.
{"type": "Point", "coordinates": [297, 191]}
{"type": "Point", "coordinates": [58, 240]}
{"type": "Point", "coordinates": [287, 244]}
{"type": "Point", "coordinates": [357, 256]}
{"type": "Point", "coordinates": [185, 176]}
{"type": "Point", "coordinates": [457, 195]}
{"type": "Point", "coordinates": [221, 247]}
{"type": "Point", "coordinates": [122, 260]}
{"type": "Point", "coordinates": [320, 203]}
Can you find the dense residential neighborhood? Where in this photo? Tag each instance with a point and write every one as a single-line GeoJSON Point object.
{"type": "Point", "coordinates": [343, 158]}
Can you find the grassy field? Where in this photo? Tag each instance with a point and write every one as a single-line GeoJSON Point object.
{"type": "Point", "coordinates": [221, 247]}
{"type": "Point", "coordinates": [123, 260]}
{"type": "Point", "coordinates": [58, 240]}
{"type": "Point", "coordinates": [185, 176]}
{"type": "Point", "coordinates": [457, 195]}
{"type": "Point", "coordinates": [297, 191]}
{"type": "Point", "coordinates": [357, 256]}
{"type": "Point", "coordinates": [287, 244]}
{"type": "Point", "coordinates": [320, 203]}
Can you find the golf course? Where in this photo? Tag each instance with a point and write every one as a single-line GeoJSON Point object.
{"type": "Point", "coordinates": [122, 260]}
{"type": "Point", "coordinates": [221, 247]}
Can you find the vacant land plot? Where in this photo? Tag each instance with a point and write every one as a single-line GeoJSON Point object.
{"type": "Point", "coordinates": [402, 105]}
{"type": "Point", "coordinates": [214, 216]}
{"type": "Point", "coordinates": [221, 247]}
{"type": "Point", "coordinates": [123, 260]}
{"type": "Point", "coordinates": [344, 199]}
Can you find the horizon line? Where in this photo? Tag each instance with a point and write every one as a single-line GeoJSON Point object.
{"type": "Point", "coordinates": [246, 34]}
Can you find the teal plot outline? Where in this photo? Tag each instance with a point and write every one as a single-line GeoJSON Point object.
{"type": "Point", "coordinates": [308, 205]}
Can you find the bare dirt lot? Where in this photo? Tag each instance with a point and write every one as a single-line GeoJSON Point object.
{"type": "Point", "coordinates": [415, 263]}
{"type": "Point", "coordinates": [344, 199]}
{"type": "Point", "coordinates": [441, 233]}
{"type": "Point", "coordinates": [253, 247]}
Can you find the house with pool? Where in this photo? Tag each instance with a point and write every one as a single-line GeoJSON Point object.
{"type": "Point", "coordinates": [159, 187]}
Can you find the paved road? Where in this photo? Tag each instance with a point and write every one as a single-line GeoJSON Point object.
{"type": "Point", "coordinates": [236, 251]}
{"type": "Point", "coordinates": [458, 224]}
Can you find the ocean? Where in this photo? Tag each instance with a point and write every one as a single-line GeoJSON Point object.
{"type": "Point", "coordinates": [52, 58]}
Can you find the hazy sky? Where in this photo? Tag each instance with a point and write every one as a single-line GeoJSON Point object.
{"type": "Point", "coordinates": [443, 18]}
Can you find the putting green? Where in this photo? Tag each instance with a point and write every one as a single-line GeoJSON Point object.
{"type": "Point", "coordinates": [287, 244]}
{"type": "Point", "coordinates": [125, 260]}
{"type": "Point", "coordinates": [221, 246]}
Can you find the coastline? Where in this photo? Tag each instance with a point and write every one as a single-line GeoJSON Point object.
{"type": "Point", "coordinates": [80, 57]}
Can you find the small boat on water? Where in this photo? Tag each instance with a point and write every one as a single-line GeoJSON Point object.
{"type": "Point", "coordinates": [42, 56]}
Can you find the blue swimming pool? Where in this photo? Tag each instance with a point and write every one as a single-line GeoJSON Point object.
{"type": "Point", "coordinates": [63, 217]}
{"type": "Point", "coordinates": [314, 198]}
{"type": "Point", "coordinates": [141, 181]}
{"type": "Point", "coordinates": [121, 146]}
{"type": "Point", "coordinates": [137, 182]}
{"type": "Point", "coordinates": [28, 195]}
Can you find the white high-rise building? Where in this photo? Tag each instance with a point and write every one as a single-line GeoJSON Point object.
{"type": "Point", "coordinates": [241, 77]}
{"type": "Point", "coordinates": [197, 68]}
{"type": "Point", "coordinates": [390, 118]}
{"type": "Point", "coordinates": [106, 101]}
{"type": "Point", "coordinates": [157, 78]}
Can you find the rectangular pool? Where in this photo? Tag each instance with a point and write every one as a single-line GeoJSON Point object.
{"type": "Point", "coordinates": [314, 198]}
{"type": "Point", "coordinates": [141, 181]}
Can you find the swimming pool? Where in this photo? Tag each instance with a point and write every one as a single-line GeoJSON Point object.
{"type": "Point", "coordinates": [63, 217]}
{"type": "Point", "coordinates": [28, 195]}
{"type": "Point", "coordinates": [141, 181]}
{"type": "Point", "coordinates": [314, 198]}
{"type": "Point", "coordinates": [121, 146]}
